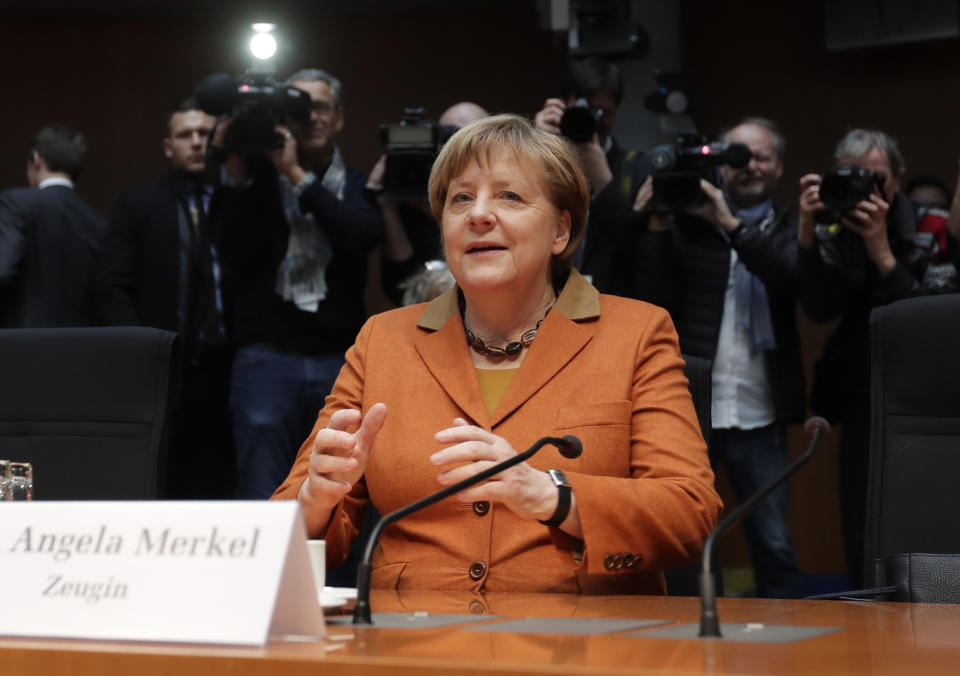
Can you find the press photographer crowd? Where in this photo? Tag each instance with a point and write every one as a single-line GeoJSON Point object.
{"type": "Point", "coordinates": [254, 248]}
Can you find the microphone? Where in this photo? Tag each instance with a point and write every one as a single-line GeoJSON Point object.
{"type": "Point", "coordinates": [709, 622]}
{"type": "Point", "coordinates": [569, 447]}
{"type": "Point", "coordinates": [216, 94]}
{"type": "Point", "coordinates": [738, 155]}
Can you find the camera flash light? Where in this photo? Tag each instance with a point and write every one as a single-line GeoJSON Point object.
{"type": "Point", "coordinates": [263, 45]}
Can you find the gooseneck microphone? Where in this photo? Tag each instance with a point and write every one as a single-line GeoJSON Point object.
{"type": "Point", "coordinates": [569, 447]}
{"type": "Point", "coordinates": [709, 622]}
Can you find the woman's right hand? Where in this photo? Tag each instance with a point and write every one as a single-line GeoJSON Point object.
{"type": "Point", "coordinates": [337, 461]}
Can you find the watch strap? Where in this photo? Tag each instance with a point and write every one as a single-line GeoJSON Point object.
{"type": "Point", "coordinates": [564, 493]}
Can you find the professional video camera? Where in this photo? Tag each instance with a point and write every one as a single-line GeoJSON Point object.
{"type": "Point", "coordinates": [841, 190]}
{"type": "Point", "coordinates": [411, 147]}
{"type": "Point", "coordinates": [256, 104]}
{"type": "Point", "coordinates": [678, 168]}
{"type": "Point", "coordinates": [581, 121]}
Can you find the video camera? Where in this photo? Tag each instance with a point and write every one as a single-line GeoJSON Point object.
{"type": "Point", "coordinates": [411, 147]}
{"type": "Point", "coordinates": [841, 190]}
{"type": "Point", "coordinates": [256, 104]}
{"type": "Point", "coordinates": [581, 121]}
{"type": "Point", "coordinates": [678, 168]}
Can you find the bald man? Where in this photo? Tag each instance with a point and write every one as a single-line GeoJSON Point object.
{"type": "Point", "coordinates": [461, 114]}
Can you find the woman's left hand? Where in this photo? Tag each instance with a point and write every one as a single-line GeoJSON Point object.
{"type": "Point", "coordinates": [528, 492]}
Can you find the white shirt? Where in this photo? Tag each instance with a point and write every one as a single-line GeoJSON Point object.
{"type": "Point", "coordinates": [56, 180]}
{"type": "Point", "coordinates": [742, 396]}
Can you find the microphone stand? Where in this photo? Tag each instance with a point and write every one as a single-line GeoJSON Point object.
{"type": "Point", "coordinates": [569, 446]}
{"type": "Point", "coordinates": [709, 621]}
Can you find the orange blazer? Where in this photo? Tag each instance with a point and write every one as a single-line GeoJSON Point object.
{"type": "Point", "coordinates": [603, 368]}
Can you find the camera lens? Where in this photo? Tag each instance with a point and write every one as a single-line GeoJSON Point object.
{"type": "Point", "coordinates": [578, 124]}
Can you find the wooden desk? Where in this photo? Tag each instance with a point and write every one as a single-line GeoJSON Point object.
{"type": "Point", "coordinates": [885, 638]}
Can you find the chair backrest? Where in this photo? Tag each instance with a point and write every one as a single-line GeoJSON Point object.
{"type": "Point", "coordinates": [915, 430]}
{"type": "Point", "coordinates": [89, 407]}
{"type": "Point", "coordinates": [685, 581]}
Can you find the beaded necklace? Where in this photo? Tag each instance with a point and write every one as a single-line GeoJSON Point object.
{"type": "Point", "coordinates": [511, 349]}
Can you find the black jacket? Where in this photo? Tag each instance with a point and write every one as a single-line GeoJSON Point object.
{"type": "Point", "coordinates": [685, 269]}
{"type": "Point", "coordinates": [155, 269]}
{"type": "Point", "coordinates": [140, 279]}
{"type": "Point", "coordinates": [606, 227]}
{"type": "Point", "coordinates": [49, 246]}
{"type": "Point", "coordinates": [424, 234]}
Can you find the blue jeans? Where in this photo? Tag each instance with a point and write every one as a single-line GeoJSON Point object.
{"type": "Point", "coordinates": [274, 401]}
{"type": "Point", "coordinates": [752, 458]}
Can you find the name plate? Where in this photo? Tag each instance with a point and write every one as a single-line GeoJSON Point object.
{"type": "Point", "coordinates": [187, 572]}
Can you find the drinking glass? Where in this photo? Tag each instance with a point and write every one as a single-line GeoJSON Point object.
{"type": "Point", "coordinates": [21, 481]}
{"type": "Point", "coordinates": [4, 480]}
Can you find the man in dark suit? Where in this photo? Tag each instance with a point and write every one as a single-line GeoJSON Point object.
{"type": "Point", "coordinates": [160, 268]}
{"type": "Point", "coordinates": [49, 238]}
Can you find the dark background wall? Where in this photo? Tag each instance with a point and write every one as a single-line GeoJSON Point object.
{"type": "Point", "coordinates": [114, 68]}
{"type": "Point", "coordinates": [769, 58]}
{"type": "Point", "coordinates": [114, 76]}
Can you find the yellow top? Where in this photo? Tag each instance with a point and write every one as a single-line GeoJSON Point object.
{"type": "Point", "coordinates": [493, 385]}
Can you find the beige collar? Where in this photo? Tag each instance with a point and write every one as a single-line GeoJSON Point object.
{"type": "Point", "coordinates": [577, 301]}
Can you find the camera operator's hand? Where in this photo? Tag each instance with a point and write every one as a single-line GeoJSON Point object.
{"type": "Point", "coordinates": [375, 179]}
{"type": "Point", "coordinates": [715, 210]}
{"type": "Point", "coordinates": [594, 163]}
{"type": "Point", "coordinates": [548, 118]}
{"type": "Point", "coordinates": [285, 158]}
{"type": "Point", "coordinates": [809, 205]}
{"type": "Point", "coordinates": [869, 220]}
{"type": "Point", "coordinates": [644, 196]}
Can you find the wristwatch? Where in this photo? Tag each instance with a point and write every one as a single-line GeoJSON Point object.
{"type": "Point", "coordinates": [564, 491]}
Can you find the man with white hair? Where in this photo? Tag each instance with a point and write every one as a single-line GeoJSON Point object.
{"type": "Point", "coordinates": [296, 231]}
{"type": "Point", "coordinates": [726, 272]}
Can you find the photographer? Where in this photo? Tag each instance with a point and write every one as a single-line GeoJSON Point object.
{"type": "Point", "coordinates": [877, 251]}
{"type": "Point", "coordinates": [411, 235]}
{"type": "Point", "coordinates": [593, 88]}
{"type": "Point", "coordinates": [726, 271]}
{"type": "Point", "coordinates": [296, 231]}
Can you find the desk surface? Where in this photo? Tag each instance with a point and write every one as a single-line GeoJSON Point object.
{"type": "Point", "coordinates": [888, 638]}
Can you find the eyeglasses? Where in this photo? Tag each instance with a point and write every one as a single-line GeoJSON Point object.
{"type": "Point", "coordinates": [322, 106]}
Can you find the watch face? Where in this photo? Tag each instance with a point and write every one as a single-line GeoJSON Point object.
{"type": "Point", "coordinates": [559, 478]}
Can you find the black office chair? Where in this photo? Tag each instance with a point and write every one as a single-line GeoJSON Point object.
{"type": "Point", "coordinates": [914, 449]}
{"type": "Point", "coordinates": [89, 407]}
